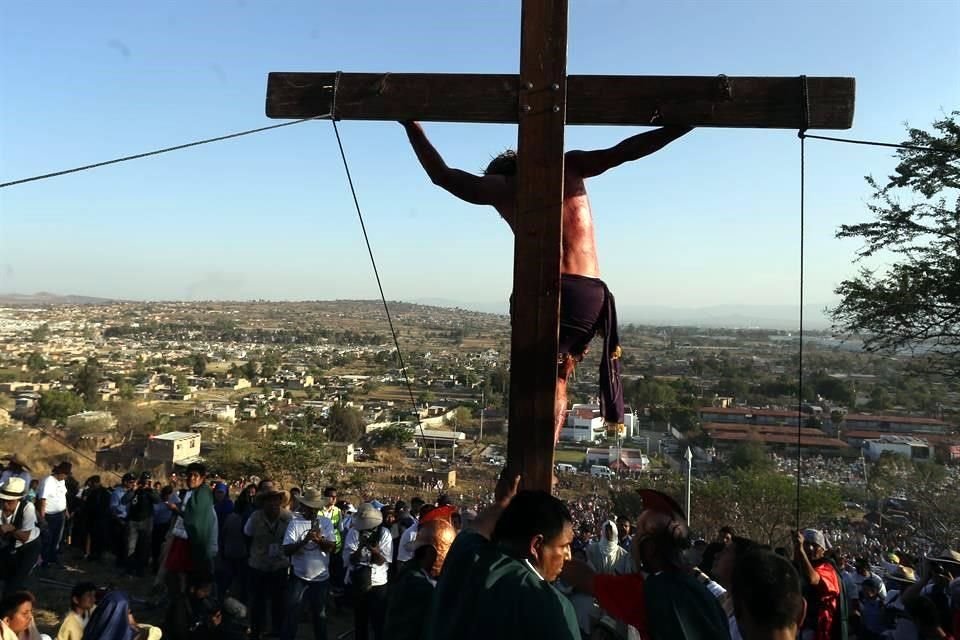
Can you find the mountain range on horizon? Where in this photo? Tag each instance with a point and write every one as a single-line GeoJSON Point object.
{"type": "Point", "coordinates": [731, 316]}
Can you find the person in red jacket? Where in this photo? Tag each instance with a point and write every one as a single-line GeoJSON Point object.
{"type": "Point", "coordinates": [821, 584]}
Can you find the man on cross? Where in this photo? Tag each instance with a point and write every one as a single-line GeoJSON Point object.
{"type": "Point", "coordinates": [586, 305]}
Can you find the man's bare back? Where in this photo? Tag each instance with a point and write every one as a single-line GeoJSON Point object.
{"type": "Point", "coordinates": [578, 249]}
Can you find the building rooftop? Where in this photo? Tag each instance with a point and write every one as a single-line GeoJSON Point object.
{"type": "Point", "coordinates": [174, 435]}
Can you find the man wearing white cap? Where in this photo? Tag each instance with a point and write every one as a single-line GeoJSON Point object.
{"type": "Point", "coordinates": [821, 585]}
{"type": "Point", "coordinates": [19, 535]}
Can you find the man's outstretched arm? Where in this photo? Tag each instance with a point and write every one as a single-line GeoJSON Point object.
{"type": "Point", "coordinates": [592, 163]}
{"type": "Point", "coordinates": [492, 190]}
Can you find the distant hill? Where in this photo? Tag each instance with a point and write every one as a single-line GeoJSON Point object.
{"type": "Point", "coordinates": [43, 297]}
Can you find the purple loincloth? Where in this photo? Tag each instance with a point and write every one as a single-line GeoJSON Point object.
{"type": "Point", "coordinates": [586, 308]}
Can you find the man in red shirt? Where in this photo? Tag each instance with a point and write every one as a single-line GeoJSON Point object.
{"type": "Point", "coordinates": [821, 585]}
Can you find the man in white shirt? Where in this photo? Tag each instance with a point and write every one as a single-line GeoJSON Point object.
{"type": "Point", "coordinates": [19, 535]}
{"type": "Point", "coordinates": [52, 503]}
{"type": "Point", "coordinates": [308, 541]}
{"type": "Point", "coordinates": [367, 551]}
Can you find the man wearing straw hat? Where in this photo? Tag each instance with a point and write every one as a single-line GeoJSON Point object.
{"type": "Point", "coordinates": [19, 535]}
{"type": "Point", "coordinates": [308, 541]}
{"type": "Point", "coordinates": [16, 468]}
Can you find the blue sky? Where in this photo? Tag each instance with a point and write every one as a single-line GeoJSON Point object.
{"type": "Point", "coordinates": [711, 220]}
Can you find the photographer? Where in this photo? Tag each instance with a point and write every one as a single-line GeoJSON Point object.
{"type": "Point", "coordinates": [308, 542]}
{"type": "Point", "coordinates": [139, 502]}
{"type": "Point", "coordinates": [367, 551]}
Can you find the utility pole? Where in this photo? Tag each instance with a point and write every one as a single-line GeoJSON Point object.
{"type": "Point", "coordinates": [482, 408]}
{"type": "Point", "coordinates": [689, 457]}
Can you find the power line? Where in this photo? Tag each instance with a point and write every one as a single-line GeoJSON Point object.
{"type": "Point", "coordinates": [874, 143]}
{"type": "Point", "coordinates": [157, 152]}
{"type": "Point", "coordinates": [376, 273]}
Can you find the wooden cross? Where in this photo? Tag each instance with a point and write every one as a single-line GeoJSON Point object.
{"type": "Point", "coordinates": [542, 99]}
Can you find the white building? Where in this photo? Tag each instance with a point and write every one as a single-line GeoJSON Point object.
{"type": "Point", "coordinates": [912, 448]}
{"type": "Point", "coordinates": [173, 447]}
{"type": "Point", "coordinates": [583, 424]}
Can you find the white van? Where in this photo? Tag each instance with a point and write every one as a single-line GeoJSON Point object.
{"type": "Point", "coordinates": [601, 471]}
{"type": "Point", "coordinates": [563, 467]}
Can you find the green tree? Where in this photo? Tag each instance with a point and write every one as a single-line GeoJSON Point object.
{"type": "Point", "coordinates": [57, 405]}
{"type": "Point", "coordinates": [345, 424]}
{"type": "Point", "coordinates": [393, 436]}
{"type": "Point", "coordinates": [300, 456]}
{"type": "Point", "coordinates": [199, 363]}
{"type": "Point", "coordinates": [750, 454]}
{"type": "Point", "coordinates": [41, 333]}
{"type": "Point", "coordinates": [879, 398]}
{"type": "Point", "coordinates": [915, 301]}
{"type": "Point", "coordinates": [36, 363]}
{"type": "Point", "coordinates": [87, 382]}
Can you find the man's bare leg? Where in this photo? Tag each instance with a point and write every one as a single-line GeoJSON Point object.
{"type": "Point", "coordinates": [564, 369]}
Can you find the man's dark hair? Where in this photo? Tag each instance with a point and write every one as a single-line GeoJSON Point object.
{"type": "Point", "coordinates": [727, 529]}
{"type": "Point", "coordinates": [81, 588]}
{"type": "Point", "coordinates": [504, 164]}
{"type": "Point", "coordinates": [415, 503]}
{"type": "Point", "coordinates": [329, 491]}
{"type": "Point", "coordinates": [197, 467]}
{"type": "Point", "coordinates": [767, 587]}
{"type": "Point", "coordinates": [529, 514]}
{"type": "Point", "coordinates": [13, 601]}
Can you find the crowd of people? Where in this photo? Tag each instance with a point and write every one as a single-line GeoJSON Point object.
{"type": "Point", "coordinates": [254, 560]}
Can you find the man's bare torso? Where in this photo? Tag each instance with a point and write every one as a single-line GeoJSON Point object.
{"type": "Point", "coordinates": [578, 247]}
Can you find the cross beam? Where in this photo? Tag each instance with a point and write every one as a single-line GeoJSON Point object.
{"type": "Point", "coordinates": [701, 101]}
{"type": "Point", "coordinates": [541, 99]}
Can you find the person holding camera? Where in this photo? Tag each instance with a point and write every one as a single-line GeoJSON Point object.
{"type": "Point", "coordinates": [308, 542]}
{"type": "Point", "coordinates": [139, 502]}
{"type": "Point", "coordinates": [367, 551]}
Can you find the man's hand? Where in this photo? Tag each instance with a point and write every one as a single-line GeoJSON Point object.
{"type": "Point", "coordinates": [7, 528]}
{"type": "Point", "coordinates": [578, 575]}
{"type": "Point", "coordinates": [798, 540]}
{"type": "Point", "coordinates": [507, 487]}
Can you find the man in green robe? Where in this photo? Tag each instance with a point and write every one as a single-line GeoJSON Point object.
{"type": "Point", "coordinates": [497, 581]}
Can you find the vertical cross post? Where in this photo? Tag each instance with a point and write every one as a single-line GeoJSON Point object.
{"type": "Point", "coordinates": [537, 247]}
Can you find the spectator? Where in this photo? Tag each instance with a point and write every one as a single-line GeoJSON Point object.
{"type": "Point", "coordinates": [767, 597]}
{"type": "Point", "coordinates": [16, 613]}
{"type": "Point", "coordinates": [139, 527]}
{"type": "Point", "coordinates": [507, 564]}
{"type": "Point", "coordinates": [821, 585]}
{"type": "Point", "coordinates": [162, 516]}
{"type": "Point", "coordinates": [367, 551]}
{"type": "Point", "coordinates": [222, 503]}
{"type": "Point", "coordinates": [268, 564]}
{"type": "Point", "coordinates": [83, 598]}
{"type": "Point", "coordinates": [605, 555]}
{"type": "Point", "coordinates": [667, 602]}
{"type": "Point", "coordinates": [118, 509]}
{"type": "Point", "coordinates": [194, 543]}
{"type": "Point", "coordinates": [19, 535]}
{"type": "Point", "coordinates": [869, 610]}
{"type": "Point", "coordinates": [16, 468]}
{"type": "Point", "coordinates": [95, 512]}
{"type": "Point", "coordinates": [725, 535]}
{"type": "Point", "coordinates": [112, 620]}
{"type": "Point", "coordinates": [410, 598]}
{"type": "Point", "coordinates": [624, 527]}
{"type": "Point", "coordinates": [52, 512]}
{"type": "Point", "coordinates": [308, 541]}
{"type": "Point", "coordinates": [332, 512]}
